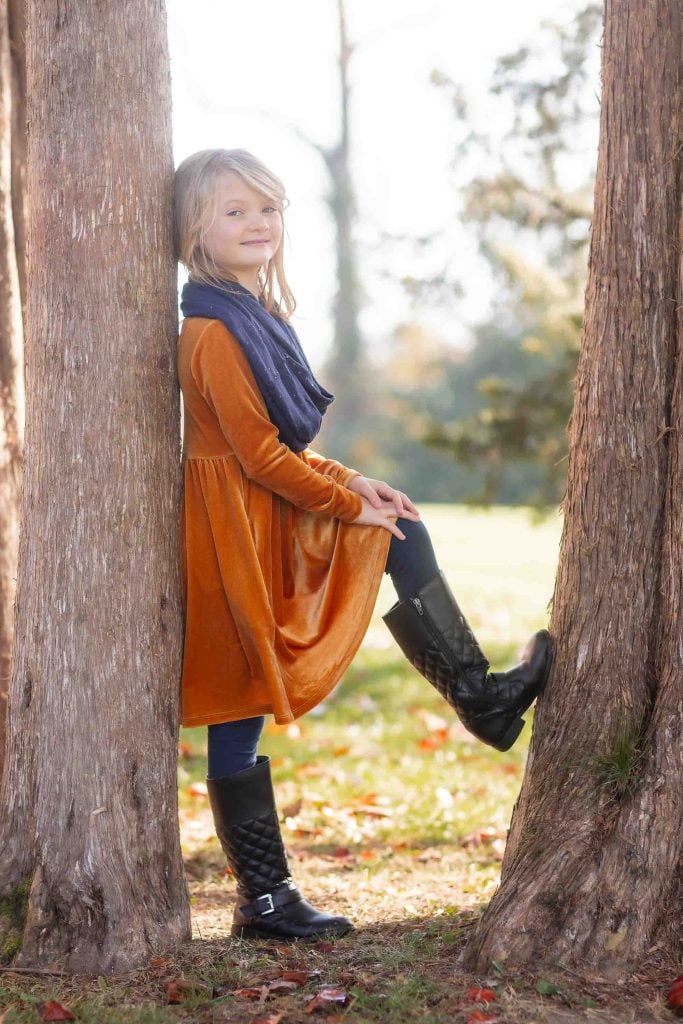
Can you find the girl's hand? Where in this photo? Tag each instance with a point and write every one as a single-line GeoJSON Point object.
{"type": "Point", "coordinates": [376, 490]}
{"type": "Point", "coordinates": [372, 516]}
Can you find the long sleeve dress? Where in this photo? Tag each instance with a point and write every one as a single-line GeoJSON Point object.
{"type": "Point", "coordinates": [278, 584]}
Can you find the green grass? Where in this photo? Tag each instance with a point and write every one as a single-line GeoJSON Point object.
{"type": "Point", "coordinates": [392, 814]}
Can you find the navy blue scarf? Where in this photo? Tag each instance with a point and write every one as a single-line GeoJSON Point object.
{"type": "Point", "coordinates": [295, 401]}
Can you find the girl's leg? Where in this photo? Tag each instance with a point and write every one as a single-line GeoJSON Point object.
{"type": "Point", "coordinates": [432, 632]}
{"type": "Point", "coordinates": [233, 745]}
{"type": "Point", "coordinates": [268, 904]}
{"type": "Point", "coordinates": [410, 562]}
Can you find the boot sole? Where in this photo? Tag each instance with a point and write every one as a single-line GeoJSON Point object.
{"type": "Point", "coordinates": [490, 731]}
{"type": "Point", "coordinates": [516, 725]}
{"type": "Point", "coordinates": [249, 932]}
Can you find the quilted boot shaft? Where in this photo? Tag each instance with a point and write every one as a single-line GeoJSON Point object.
{"type": "Point", "coordinates": [243, 807]}
{"type": "Point", "coordinates": [433, 633]}
{"type": "Point", "coordinates": [268, 904]}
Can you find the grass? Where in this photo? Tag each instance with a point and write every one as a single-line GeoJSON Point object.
{"type": "Point", "coordinates": [619, 769]}
{"type": "Point", "coordinates": [392, 814]}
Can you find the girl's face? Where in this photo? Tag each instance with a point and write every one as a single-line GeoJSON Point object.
{"type": "Point", "coordinates": [246, 231]}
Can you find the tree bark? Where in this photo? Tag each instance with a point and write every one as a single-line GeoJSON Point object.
{"type": "Point", "coordinates": [12, 277]}
{"type": "Point", "coordinates": [89, 795]}
{"type": "Point", "coordinates": [591, 871]}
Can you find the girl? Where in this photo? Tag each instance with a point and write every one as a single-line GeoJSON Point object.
{"type": "Point", "coordinates": [282, 549]}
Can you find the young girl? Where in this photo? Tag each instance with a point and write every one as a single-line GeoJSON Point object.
{"type": "Point", "coordinates": [283, 550]}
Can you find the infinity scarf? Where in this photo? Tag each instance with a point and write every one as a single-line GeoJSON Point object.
{"type": "Point", "coordinates": [295, 401]}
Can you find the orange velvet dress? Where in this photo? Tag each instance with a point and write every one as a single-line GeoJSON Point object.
{"type": "Point", "coordinates": [278, 584]}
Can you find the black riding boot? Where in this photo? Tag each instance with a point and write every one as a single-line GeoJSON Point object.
{"type": "Point", "coordinates": [434, 635]}
{"type": "Point", "coordinates": [268, 903]}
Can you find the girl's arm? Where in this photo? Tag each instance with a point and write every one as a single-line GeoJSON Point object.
{"type": "Point", "coordinates": [224, 378]}
{"type": "Point", "coordinates": [330, 467]}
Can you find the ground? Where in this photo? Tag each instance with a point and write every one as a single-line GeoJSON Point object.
{"type": "Point", "coordinates": [392, 815]}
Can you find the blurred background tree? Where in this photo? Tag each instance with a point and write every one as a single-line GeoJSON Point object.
{"type": "Point", "coordinates": [488, 423]}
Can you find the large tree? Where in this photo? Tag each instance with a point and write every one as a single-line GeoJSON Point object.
{"type": "Point", "coordinates": [592, 868]}
{"type": "Point", "coordinates": [12, 296]}
{"type": "Point", "coordinates": [89, 799]}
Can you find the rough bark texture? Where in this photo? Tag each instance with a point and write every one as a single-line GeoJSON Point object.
{"type": "Point", "coordinates": [17, 45]}
{"type": "Point", "coordinates": [12, 276]}
{"type": "Point", "coordinates": [591, 869]}
{"type": "Point", "coordinates": [89, 796]}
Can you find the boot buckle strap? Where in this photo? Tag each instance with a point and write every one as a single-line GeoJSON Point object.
{"type": "Point", "coordinates": [269, 908]}
{"type": "Point", "coordinates": [287, 893]}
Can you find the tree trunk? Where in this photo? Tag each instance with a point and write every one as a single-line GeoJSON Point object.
{"type": "Point", "coordinates": [12, 277]}
{"type": "Point", "coordinates": [591, 869]}
{"type": "Point", "coordinates": [17, 45]}
{"type": "Point", "coordinates": [346, 367]}
{"type": "Point", "coordinates": [89, 795]}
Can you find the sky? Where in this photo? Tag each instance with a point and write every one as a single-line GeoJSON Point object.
{"type": "Point", "coordinates": [263, 77]}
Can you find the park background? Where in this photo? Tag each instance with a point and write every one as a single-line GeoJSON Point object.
{"type": "Point", "coordinates": [439, 254]}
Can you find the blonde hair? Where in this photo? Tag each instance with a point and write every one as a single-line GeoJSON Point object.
{"type": "Point", "coordinates": [196, 187]}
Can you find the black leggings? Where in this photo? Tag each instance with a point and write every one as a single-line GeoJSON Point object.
{"type": "Point", "coordinates": [410, 563]}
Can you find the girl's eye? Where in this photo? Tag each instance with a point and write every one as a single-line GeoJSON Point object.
{"type": "Point", "coordinates": [274, 208]}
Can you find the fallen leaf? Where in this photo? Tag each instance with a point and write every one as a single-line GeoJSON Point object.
{"type": "Point", "coordinates": [159, 961]}
{"type": "Point", "coordinates": [434, 723]}
{"type": "Point", "coordinates": [197, 789]}
{"type": "Point", "coordinates": [324, 947]}
{"type": "Point", "coordinates": [433, 742]}
{"type": "Point", "coordinates": [481, 1017]}
{"type": "Point", "coordinates": [291, 810]}
{"type": "Point", "coordinates": [300, 977]}
{"type": "Point", "coordinates": [342, 852]}
{"type": "Point", "coordinates": [250, 993]}
{"type": "Point", "coordinates": [372, 812]}
{"type": "Point", "coordinates": [326, 998]}
{"type": "Point", "coordinates": [268, 1018]}
{"type": "Point", "coordinates": [52, 1010]}
{"type": "Point", "coordinates": [178, 989]}
{"type": "Point", "coordinates": [425, 856]}
{"type": "Point", "coordinates": [480, 995]}
{"type": "Point", "coordinates": [281, 985]}
{"type": "Point", "coordinates": [483, 835]}
{"type": "Point", "coordinates": [674, 997]}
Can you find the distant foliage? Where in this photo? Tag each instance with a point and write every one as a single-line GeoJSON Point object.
{"type": "Point", "coordinates": [533, 228]}
{"type": "Point", "coordinates": [488, 424]}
